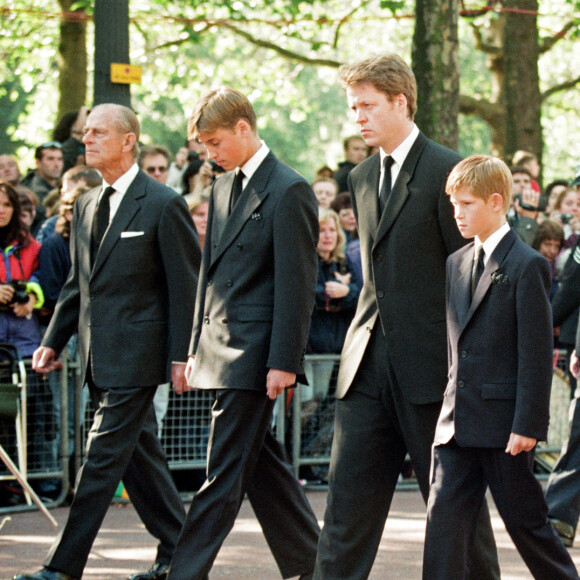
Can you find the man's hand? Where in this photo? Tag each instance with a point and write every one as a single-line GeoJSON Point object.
{"type": "Point", "coordinates": [277, 381]}
{"type": "Point", "coordinates": [519, 443]}
{"type": "Point", "coordinates": [178, 379]}
{"type": "Point", "coordinates": [180, 385]}
{"type": "Point", "coordinates": [574, 365]}
{"type": "Point", "coordinates": [44, 360]}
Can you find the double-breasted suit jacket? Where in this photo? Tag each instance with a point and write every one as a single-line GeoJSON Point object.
{"type": "Point", "coordinates": [500, 347]}
{"type": "Point", "coordinates": [403, 257]}
{"type": "Point", "coordinates": [134, 307]}
{"type": "Point", "coordinates": [258, 280]}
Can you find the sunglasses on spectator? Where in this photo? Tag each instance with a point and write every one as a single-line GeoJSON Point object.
{"type": "Point", "coordinates": [51, 145]}
{"type": "Point", "coordinates": [161, 169]}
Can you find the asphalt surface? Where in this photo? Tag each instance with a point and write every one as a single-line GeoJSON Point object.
{"type": "Point", "coordinates": [124, 547]}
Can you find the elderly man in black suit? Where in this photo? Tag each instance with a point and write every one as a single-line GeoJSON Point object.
{"type": "Point", "coordinates": [135, 262]}
{"type": "Point", "coordinates": [394, 362]}
{"type": "Point", "coordinates": [255, 297]}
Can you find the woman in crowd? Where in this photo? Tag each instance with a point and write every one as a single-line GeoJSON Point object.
{"type": "Point", "coordinates": [335, 305]}
{"type": "Point", "coordinates": [336, 294]}
{"type": "Point", "coordinates": [20, 291]}
{"type": "Point", "coordinates": [198, 175]}
{"type": "Point", "coordinates": [549, 243]}
{"type": "Point", "coordinates": [567, 213]}
{"type": "Point", "coordinates": [198, 208]}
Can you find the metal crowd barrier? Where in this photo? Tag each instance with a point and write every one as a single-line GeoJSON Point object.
{"type": "Point", "coordinates": [48, 444]}
{"type": "Point", "coordinates": [303, 422]}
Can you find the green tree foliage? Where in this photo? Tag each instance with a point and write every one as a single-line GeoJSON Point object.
{"type": "Point", "coordinates": [284, 54]}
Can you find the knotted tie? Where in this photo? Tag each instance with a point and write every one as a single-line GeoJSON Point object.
{"type": "Point", "coordinates": [236, 189]}
{"type": "Point", "coordinates": [477, 270]}
{"type": "Point", "coordinates": [386, 186]}
{"type": "Point", "coordinates": [100, 221]}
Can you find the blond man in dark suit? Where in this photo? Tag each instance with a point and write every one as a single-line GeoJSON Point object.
{"type": "Point", "coordinates": [254, 302]}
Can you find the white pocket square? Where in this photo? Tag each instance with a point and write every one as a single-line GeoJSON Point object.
{"type": "Point", "coordinates": [131, 234]}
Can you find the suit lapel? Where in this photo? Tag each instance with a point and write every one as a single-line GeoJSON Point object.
{"type": "Point", "coordinates": [461, 290]}
{"type": "Point", "coordinates": [221, 204]}
{"type": "Point", "coordinates": [123, 216]}
{"type": "Point", "coordinates": [400, 190]}
{"type": "Point", "coordinates": [494, 262]}
{"type": "Point", "coordinates": [252, 197]}
{"type": "Point", "coordinates": [367, 199]}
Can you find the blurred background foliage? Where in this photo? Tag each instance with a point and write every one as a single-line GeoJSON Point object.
{"type": "Point", "coordinates": [283, 54]}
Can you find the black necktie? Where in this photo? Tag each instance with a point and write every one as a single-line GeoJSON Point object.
{"type": "Point", "coordinates": [477, 270]}
{"type": "Point", "coordinates": [236, 189]}
{"type": "Point", "coordinates": [100, 221]}
{"type": "Point", "coordinates": [386, 186]}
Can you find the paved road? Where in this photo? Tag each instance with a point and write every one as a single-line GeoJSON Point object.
{"type": "Point", "coordinates": [123, 546]}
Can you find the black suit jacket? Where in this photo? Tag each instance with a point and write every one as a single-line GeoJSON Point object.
{"type": "Point", "coordinates": [258, 280]}
{"type": "Point", "coordinates": [134, 308]}
{"type": "Point", "coordinates": [403, 260]}
{"type": "Point", "coordinates": [500, 347]}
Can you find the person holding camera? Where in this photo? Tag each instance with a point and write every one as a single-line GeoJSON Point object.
{"type": "Point", "coordinates": [20, 292]}
{"type": "Point", "coordinates": [526, 205]}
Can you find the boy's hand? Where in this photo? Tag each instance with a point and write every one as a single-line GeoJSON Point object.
{"type": "Point", "coordinates": [574, 365]}
{"type": "Point", "coordinates": [519, 443]}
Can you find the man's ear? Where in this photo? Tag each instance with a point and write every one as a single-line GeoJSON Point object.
{"type": "Point", "coordinates": [129, 142]}
{"type": "Point", "coordinates": [243, 127]}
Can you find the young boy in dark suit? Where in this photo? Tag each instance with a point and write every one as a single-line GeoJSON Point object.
{"type": "Point", "coordinates": [496, 404]}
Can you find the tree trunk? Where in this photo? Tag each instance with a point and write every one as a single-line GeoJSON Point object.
{"type": "Point", "coordinates": [523, 128]}
{"type": "Point", "coordinates": [435, 64]}
{"type": "Point", "coordinates": [72, 60]}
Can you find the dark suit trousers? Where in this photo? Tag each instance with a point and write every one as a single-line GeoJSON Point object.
{"type": "Point", "coordinates": [374, 429]}
{"type": "Point", "coordinates": [459, 482]}
{"type": "Point", "coordinates": [243, 456]}
{"type": "Point", "coordinates": [122, 444]}
{"type": "Point", "coordinates": [563, 491]}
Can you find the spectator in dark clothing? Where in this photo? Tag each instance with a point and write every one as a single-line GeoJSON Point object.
{"type": "Point", "coordinates": [342, 205]}
{"type": "Point", "coordinates": [549, 243]}
{"type": "Point", "coordinates": [565, 305]}
{"type": "Point", "coordinates": [49, 165]}
{"type": "Point", "coordinates": [78, 176]}
{"type": "Point", "coordinates": [69, 132]}
{"type": "Point", "coordinates": [355, 150]}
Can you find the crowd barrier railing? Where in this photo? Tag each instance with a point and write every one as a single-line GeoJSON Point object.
{"type": "Point", "coordinates": [59, 417]}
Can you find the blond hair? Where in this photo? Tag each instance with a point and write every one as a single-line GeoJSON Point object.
{"type": "Point", "coordinates": [221, 108]}
{"type": "Point", "coordinates": [483, 175]}
{"type": "Point", "coordinates": [388, 73]}
{"type": "Point", "coordinates": [327, 215]}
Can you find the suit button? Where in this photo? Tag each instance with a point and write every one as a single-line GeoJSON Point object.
{"type": "Point", "coordinates": [380, 294]}
{"type": "Point", "coordinates": [463, 354]}
{"type": "Point", "coordinates": [206, 319]}
{"type": "Point", "coordinates": [379, 258]}
{"type": "Point", "coordinates": [460, 384]}
{"type": "Point", "coordinates": [229, 283]}
{"type": "Point", "coordinates": [209, 282]}
{"type": "Point", "coordinates": [239, 246]}
{"type": "Point", "coordinates": [224, 320]}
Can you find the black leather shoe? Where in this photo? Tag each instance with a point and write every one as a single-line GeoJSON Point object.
{"type": "Point", "coordinates": [159, 571]}
{"type": "Point", "coordinates": [45, 574]}
{"type": "Point", "coordinates": [565, 531]}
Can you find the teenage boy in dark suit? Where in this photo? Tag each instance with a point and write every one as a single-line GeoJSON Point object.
{"type": "Point", "coordinates": [496, 405]}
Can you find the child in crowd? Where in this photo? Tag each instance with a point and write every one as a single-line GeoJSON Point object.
{"type": "Point", "coordinates": [496, 404]}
